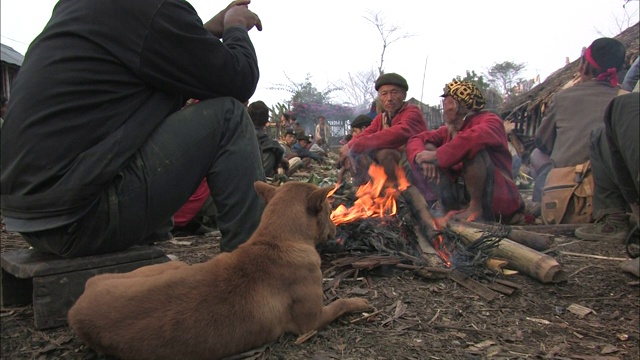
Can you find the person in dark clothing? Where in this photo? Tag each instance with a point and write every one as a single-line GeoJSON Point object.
{"type": "Point", "coordinates": [97, 155]}
{"type": "Point", "coordinates": [614, 154]}
{"type": "Point", "coordinates": [271, 151]}
{"type": "Point", "coordinates": [302, 151]}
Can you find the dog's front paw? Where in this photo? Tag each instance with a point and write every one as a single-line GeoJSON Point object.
{"type": "Point", "coordinates": [359, 304]}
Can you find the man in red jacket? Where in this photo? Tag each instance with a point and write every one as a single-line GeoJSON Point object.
{"type": "Point", "coordinates": [384, 140]}
{"type": "Point", "coordinates": [468, 160]}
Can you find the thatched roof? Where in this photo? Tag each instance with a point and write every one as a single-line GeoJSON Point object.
{"type": "Point", "coordinates": [540, 94]}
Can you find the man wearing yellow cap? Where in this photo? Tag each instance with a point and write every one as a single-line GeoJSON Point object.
{"type": "Point", "coordinates": [468, 160]}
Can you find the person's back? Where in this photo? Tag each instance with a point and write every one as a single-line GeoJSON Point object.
{"type": "Point", "coordinates": [89, 108]}
{"type": "Point", "coordinates": [575, 111]}
{"type": "Point", "coordinates": [271, 150]}
{"type": "Point", "coordinates": [580, 109]}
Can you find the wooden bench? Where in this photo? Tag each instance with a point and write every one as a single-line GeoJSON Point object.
{"type": "Point", "coordinates": [53, 284]}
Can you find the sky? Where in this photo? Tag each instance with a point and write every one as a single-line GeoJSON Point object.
{"type": "Point", "coordinates": [330, 39]}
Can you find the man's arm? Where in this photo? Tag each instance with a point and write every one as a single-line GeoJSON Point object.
{"type": "Point", "coordinates": [220, 22]}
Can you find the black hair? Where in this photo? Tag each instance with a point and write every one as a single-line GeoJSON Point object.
{"type": "Point", "coordinates": [607, 53]}
{"type": "Point", "coordinates": [259, 113]}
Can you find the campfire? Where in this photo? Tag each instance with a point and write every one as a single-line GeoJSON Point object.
{"type": "Point", "coordinates": [389, 224]}
{"type": "Point", "coordinates": [375, 199]}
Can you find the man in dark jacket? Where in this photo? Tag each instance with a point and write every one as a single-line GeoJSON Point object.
{"type": "Point", "coordinates": [96, 153]}
{"type": "Point", "coordinates": [271, 151]}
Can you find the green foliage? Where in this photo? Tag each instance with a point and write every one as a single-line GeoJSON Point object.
{"type": "Point", "coordinates": [276, 111]}
{"type": "Point", "coordinates": [503, 75]}
{"type": "Point", "coordinates": [492, 95]}
{"type": "Point", "coordinates": [476, 79]}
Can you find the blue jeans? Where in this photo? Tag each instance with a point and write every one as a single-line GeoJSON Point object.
{"type": "Point", "coordinates": [213, 139]}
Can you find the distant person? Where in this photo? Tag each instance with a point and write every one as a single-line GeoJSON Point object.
{"type": "Point", "coordinates": [103, 161]}
{"type": "Point", "coordinates": [303, 151]}
{"type": "Point", "coordinates": [468, 160]}
{"type": "Point", "coordinates": [295, 162]}
{"type": "Point", "coordinates": [283, 125]}
{"type": "Point", "coordinates": [272, 152]}
{"type": "Point", "coordinates": [358, 125]}
{"type": "Point", "coordinates": [322, 131]}
{"type": "Point", "coordinates": [385, 139]}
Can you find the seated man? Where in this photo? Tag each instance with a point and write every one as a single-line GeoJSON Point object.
{"type": "Point", "coordinates": [358, 124]}
{"type": "Point", "coordinates": [301, 148]}
{"type": "Point", "coordinates": [562, 140]}
{"type": "Point", "coordinates": [614, 160]}
{"type": "Point", "coordinates": [295, 162]}
{"type": "Point", "coordinates": [384, 140]}
{"type": "Point", "coordinates": [103, 162]}
{"type": "Point", "coordinates": [272, 152]}
{"type": "Point", "coordinates": [468, 159]}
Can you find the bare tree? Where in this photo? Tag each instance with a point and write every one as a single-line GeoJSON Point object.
{"type": "Point", "coordinates": [358, 89]}
{"type": "Point", "coordinates": [388, 34]}
{"type": "Point", "coordinates": [622, 21]}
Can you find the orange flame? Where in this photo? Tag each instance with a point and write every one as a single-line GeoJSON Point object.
{"type": "Point", "coordinates": [377, 198]}
{"type": "Point", "coordinates": [438, 243]}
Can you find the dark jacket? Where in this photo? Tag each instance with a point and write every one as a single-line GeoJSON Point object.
{"type": "Point", "coordinates": [271, 151]}
{"type": "Point", "coordinates": [95, 83]}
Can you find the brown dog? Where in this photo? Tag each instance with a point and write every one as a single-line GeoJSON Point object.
{"type": "Point", "coordinates": [235, 302]}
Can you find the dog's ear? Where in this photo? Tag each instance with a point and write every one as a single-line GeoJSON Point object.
{"type": "Point", "coordinates": [317, 198]}
{"type": "Point", "coordinates": [265, 190]}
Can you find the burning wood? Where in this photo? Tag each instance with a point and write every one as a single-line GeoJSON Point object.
{"type": "Point", "coordinates": [374, 223]}
{"type": "Point", "coordinates": [522, 258]}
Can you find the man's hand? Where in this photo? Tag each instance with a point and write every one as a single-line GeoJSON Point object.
{"type": "Point", "coordinates": [218, 23]}
{"type": "Point", "coordinates": [509, 126]}
{"type": "Point", "coordinates": [344, 154]}
{"type": "Point", "coordinates": [430, 172]}
{"type": "Point", "coordinates": [426, 159]}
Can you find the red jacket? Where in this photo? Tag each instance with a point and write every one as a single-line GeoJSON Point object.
{"type": "Point", "coordinates": [408, 122]}
{"type": "Point", "coordinates": [483, 131]}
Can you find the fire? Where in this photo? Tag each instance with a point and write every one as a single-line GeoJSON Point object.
{"type": "Point", "coordinates": [377, 198]}
{"type": "Point", "coordinates": [438, 242]}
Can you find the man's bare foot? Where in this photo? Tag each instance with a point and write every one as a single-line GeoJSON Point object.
{"type": "Point", "coordinates": [468, 214]}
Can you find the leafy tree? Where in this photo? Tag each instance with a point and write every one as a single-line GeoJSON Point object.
{"type": "Point", "coordinates": [504, 75]}
{"type": "Point", "coordinates": [476, 79]}
{"type": "Point", "coordinates": [308, 103]}
{"type": "Point", "coordinates": [492, 96]}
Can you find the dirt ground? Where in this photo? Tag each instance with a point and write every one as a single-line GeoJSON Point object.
{"type": "Point", "coordinates": [417, 318]}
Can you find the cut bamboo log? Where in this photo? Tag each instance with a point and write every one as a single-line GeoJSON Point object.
{"type": "Point", "coordinates": [541, 267]}
{"type": "Point", "coordinates": [557, 229]}
{"type": "Point", "coordinates": [535, 240]}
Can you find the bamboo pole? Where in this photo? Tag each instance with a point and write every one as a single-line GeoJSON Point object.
{"type": "Point", "coordinates": [535, 240]}
{"type": "Point", "coordinates": [541, 267]}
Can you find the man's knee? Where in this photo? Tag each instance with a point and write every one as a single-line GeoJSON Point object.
{"type": "Point", "coordinates": [388, 155]}
{"type": "Point", "coordinates": [478, 163]}
{"type": "Point", "coordinates": [538, 160]}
